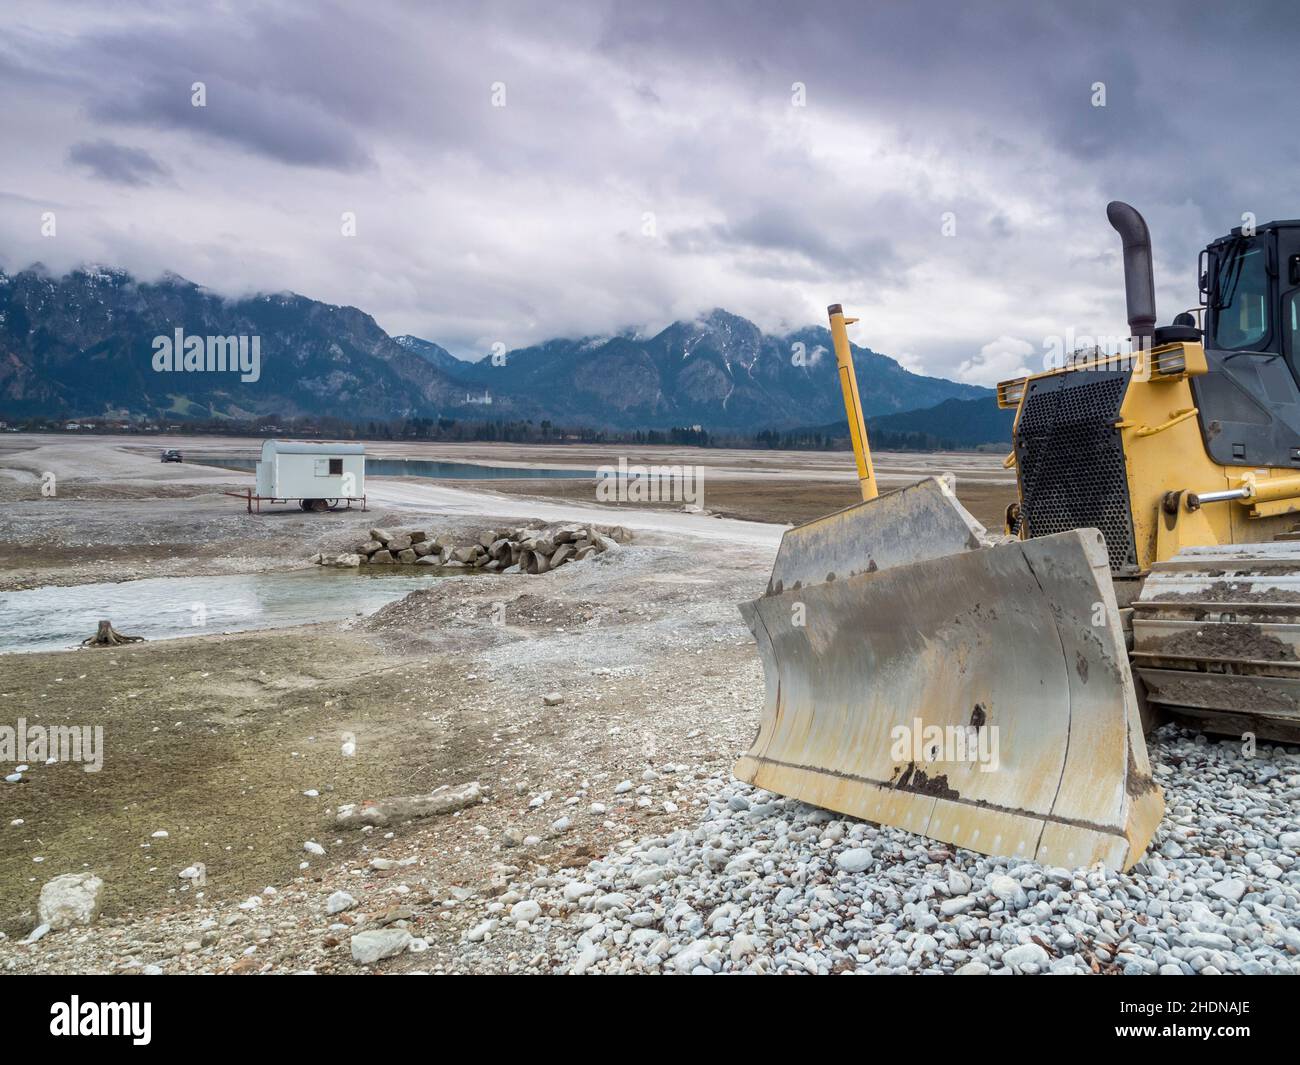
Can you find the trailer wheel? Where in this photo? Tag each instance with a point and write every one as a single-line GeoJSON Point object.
{"type": "Point", "coordinates": [318, 506]}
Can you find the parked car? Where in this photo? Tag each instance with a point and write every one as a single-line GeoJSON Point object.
{"type": "Point", "coordinates": [172, 455]}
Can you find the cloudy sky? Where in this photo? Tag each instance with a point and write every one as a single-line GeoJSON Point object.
{"type": "Point", "coordinates": [518, 172]}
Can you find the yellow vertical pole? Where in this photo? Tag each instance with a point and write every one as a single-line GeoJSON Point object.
{"type": "Point", "coordinates": [852, 404]}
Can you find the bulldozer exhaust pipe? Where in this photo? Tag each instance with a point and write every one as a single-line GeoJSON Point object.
{"type": "Point", "coordinates": [1139, 276]}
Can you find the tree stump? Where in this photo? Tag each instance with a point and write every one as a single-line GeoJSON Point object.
{"type": "Point", "coordinates": [107, 636]}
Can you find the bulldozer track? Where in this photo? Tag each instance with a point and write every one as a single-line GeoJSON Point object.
{"type": "Point", "coordinates": [1216, 638]}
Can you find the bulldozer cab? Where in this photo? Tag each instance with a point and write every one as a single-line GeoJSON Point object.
{"type": "Point", "coordinates": [1250, 287]}
{"type": "Point", "coordinates": [1249, 399]}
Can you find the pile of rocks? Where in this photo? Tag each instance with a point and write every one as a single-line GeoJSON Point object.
{"type": "Point", "coordinates": [524, 550]}
{"type": "Point", "coordinates": [769, 884]}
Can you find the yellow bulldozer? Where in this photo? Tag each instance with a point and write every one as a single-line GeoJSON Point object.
{"type": "Point", "coordinates": [993, 690]}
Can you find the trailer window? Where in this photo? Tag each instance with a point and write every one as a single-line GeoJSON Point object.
{"type": "Point", "coordinates": [336, 467]}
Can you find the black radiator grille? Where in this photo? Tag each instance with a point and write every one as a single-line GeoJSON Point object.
{"type": "Point", "coordinates": [1071, 460]}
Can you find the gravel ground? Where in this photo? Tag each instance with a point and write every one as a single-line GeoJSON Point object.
{"type": "Point", "coordinates": [767, 884]}
{"type": "Point", "coordinates": [739, 880]}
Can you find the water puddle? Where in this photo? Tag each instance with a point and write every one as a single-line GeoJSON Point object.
{"type": "Point", "coordinates": [157, 608]}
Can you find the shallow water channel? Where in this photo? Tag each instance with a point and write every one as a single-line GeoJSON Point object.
{"type": "Point", "coordinates": [55, 618]}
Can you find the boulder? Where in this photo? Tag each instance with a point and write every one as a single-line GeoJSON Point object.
{"type": "Point", "coordinates": [318, 559]}
{"type": "Point", "coordinates": [377, 943]}
{"type": "Point", "coordinates": [492, 566]}
{"type": "Point", "coordinates": [566, 534]}
{"type": "Point", "coordinates": [487, 538]}
{"type": "Point", "coordinates": [422, 548]}
{"type": "Point", "coordinates": [346, 560]}
{"type": "Point", "coordinates": [70, 899]}
{"type": "Point", "coordinates": [583, 553]}
{"type": "Point", "coordinates": [382, 556]}
{"type": "Point", "coordinates": [499, 548]}
{"type": "Point", "coordinates": [382, 535]}
{"type": "Point", "coordinates": [370, 547]}
{"type": "Point", "coordinates": [408, 556]}
{"type": "Point", "coordinates": [418, 536]}
{"type": "Point", "coordinates": [445, 800]}
{"type": "Point", "coordinates": [465, 554]}
{"type": "Point", "coordinates": [563, 554]}
{"type": "Point", "coordinates": [338, 902]}
{"type": "Point", "coordinates": [429, 560]}
{"type": "Point", "coordinates": [603, 542]}
{"type": "Point", "coordinates": [398, 543]}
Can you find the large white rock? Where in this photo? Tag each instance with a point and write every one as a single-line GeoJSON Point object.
{"type": "Point", "coordinates": [481, 931]}
{"type": "Point", "coordinates": [1008, 890]}
{"type": "Point", "coordinates": [70, 899]}
{"type": "Point", "coordinates": [1230, 889]}
{"type": "Point", "coordinates": [855, 860]}
{"type": "Point", "coordinates": [370, 947]}
{"type": "Point", "coordinates": [527, 910]}
{"type": "Point", "coordinates": [962, 903]}
{"type": "Point", "coordinates": [1026, 954]}
{"type": "Point", "coordinates": [338, 902]}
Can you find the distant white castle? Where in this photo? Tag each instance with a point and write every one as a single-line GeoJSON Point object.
{"type": "Point", "coordinates": [485, 400]}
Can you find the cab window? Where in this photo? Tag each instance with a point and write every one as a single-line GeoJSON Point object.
{"type": "Point", "coordinates": [1291, 323]}
{"type": "Point", "coordinates": [1242, 321]}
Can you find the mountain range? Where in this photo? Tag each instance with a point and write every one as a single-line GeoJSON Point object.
{"type": "Point", "coordinates": [84, 345]}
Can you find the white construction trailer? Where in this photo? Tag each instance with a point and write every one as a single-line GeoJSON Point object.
{"type": "Point", "coordinates": [316, 476]}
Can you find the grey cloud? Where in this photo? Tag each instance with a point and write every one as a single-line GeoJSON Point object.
{"type": "Point", "coordinates": [479, 223]}
{"type": "Point", "coordinates": [117, 163]}
{"type": "Point", "coordinates": [284, 129]}
{"type": "Point", "coordinates": [802, 248]}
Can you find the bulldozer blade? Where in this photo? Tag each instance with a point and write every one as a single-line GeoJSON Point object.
{"type": "Point", "coordinates": [912, 524]}
{"type": "Point", "coordinates": [981, 697]}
